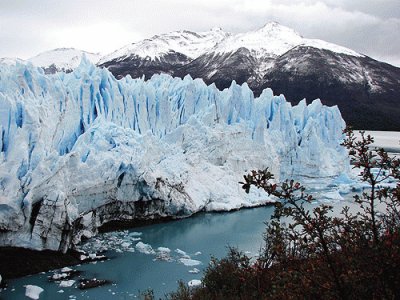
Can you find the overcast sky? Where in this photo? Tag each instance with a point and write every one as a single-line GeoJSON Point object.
{"type": "Point", "coordinates": [28, 27]}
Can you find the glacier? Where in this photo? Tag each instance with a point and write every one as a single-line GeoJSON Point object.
{"type": "Point", "coordinates": [79, 150]}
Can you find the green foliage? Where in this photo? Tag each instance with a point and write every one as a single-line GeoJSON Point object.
{"type": "Point", "coordinates": [318, 256]}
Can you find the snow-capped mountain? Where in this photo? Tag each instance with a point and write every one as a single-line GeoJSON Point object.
{"type": "Point", "coordinates": [273, 40]}
{"type": "Point", "coordinates": [190, 44]}
{"type": "Point", "coordinates": [215, 47]}
{"type": "Point", "coordinates": [162, 53]}
{"type": "Point", "coordinates": [12, 61]}
{"type": "Point", "coordinates": [275, 56]}
{"type": "Point", "coordinates": [81, 149]}
{"type": "Point", "coordinates": [62, 59]}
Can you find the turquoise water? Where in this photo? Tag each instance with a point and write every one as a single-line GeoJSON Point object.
{"type": "Point", "coordinates": [200, 237]}
{"type": "Point", "coordinates": [208, 233]}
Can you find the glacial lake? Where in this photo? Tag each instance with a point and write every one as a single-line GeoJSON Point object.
{"type": "Point", "coordinates": [199, 237]}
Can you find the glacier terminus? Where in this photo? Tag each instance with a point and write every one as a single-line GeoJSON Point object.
{"type": "Point", "coordinates": [82, 149]}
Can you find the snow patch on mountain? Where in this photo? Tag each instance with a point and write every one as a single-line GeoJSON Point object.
{"type": "Point", "coordinates": [320, 44]}
{"type": "Point", "coordinates": [270, 40]}
{"type": "Point", "coordinates": [273, 40]}
{"type": "Point", "coordinates": [82, 149]}
{"type": "Point", "coordinates": [189, 43]}
{"type": "Point", "coordinates": [261, 48]}
{"type": "Point", "coordinates": [63, 59]}
{"type": "Point", "coordinates": [12, 61]}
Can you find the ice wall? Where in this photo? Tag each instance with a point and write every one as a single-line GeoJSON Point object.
{"type": "Point", "coordinates": [81, 149]}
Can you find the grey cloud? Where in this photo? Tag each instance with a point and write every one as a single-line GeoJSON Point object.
{"type": "Point", "coordinates": [381, 8]}
{"type": "Point", "coordinates": [367, 26]}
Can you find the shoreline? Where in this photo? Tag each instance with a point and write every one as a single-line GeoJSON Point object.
{"type": "Point", "coordinates": [116, 225]}
{"type": "Point", "coordinates": [17, 262]}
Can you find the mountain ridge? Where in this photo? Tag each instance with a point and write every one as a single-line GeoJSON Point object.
{"type": "Point", "coordinates": [62, 59]}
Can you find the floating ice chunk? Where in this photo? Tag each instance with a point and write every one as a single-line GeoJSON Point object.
{"type": "Point", "coordinates": [179, 251]}
{"type": "Point", "coordinates": [163, 249]}
{"type": "Point", "coordinates": [194, 271]}
{"type": "Point", "coordinates": [164, 253]}
{"type": "Point", "coordinates": [332, 195]}
{"type": "Point", "coordinates": [66, 270]}
{"type": "Point", "coordinates": [345, 188]}
{"type": "Point", "coordinates": [59, 276]}
{"type": "Point", "coordinates": [33, 291]}
{"type": "Point", "coordinates": [135, 234]}
{"type": "Point", "coordinates": [144, 248]}
{"type": "Point", "coordinates": [190, 262]}
{"type": "Point", "coordinates": [67, 283]}
{"type": "Point", "coordinates": [197, 253]}
{"type": "Point", "coordinates": [194, 283]}
{"type": "Point", "coordinates": [343, 179]}
{"type": "Point", "coordinates": [182, 253]}
{"type": "Point", "coordinates": [60, 291]}
{"type": "Point", "coordinates": [126, 244]}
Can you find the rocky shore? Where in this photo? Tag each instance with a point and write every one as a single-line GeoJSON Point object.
{"type": "Point", "coordinates": [17, 262]}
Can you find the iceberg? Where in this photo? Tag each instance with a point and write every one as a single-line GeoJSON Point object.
{"type": "Point", "coordinates": [144, 248]}
{"type": "Point", "coordinates": [79, 150]}
{"type": "Point", "coordinates": [33, 291]}
{"type": "Point", "coordinates": [189, 262]}
{"type": "Point", "coordinates": [194, 283]}
{"type": "Point", "coordinates": [67, 283]}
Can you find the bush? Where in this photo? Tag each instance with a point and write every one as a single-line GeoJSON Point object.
{"type": "Point", "coordinates": [318, 256]}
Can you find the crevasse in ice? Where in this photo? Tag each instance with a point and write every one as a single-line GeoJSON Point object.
{"type": "Point", "coordinates": [81, 149]}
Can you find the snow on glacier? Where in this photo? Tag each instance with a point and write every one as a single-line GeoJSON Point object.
{"type": "Point", "coordinates": [81, 149]}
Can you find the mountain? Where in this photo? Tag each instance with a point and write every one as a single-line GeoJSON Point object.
{"type": "Point", "coordinates": [162, 53]}
{"type": "Point", "coordinates": [365, 90]}
{"type": "Point", "coordinates": [274, 56]}
{"type": "Point", "coordinates": [82, 149]}
{"type": "Point", "coordinates": [11, 60]}
{"type": "Point", "coordinates": [62, 59]}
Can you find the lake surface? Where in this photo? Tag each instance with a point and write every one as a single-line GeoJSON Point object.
{"type": "Point", "coordinates": [389, 140]}
{"type": "Point", "coordinates": [191, 241]}
{"type": "Point", "coordinates": [208, 233]}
